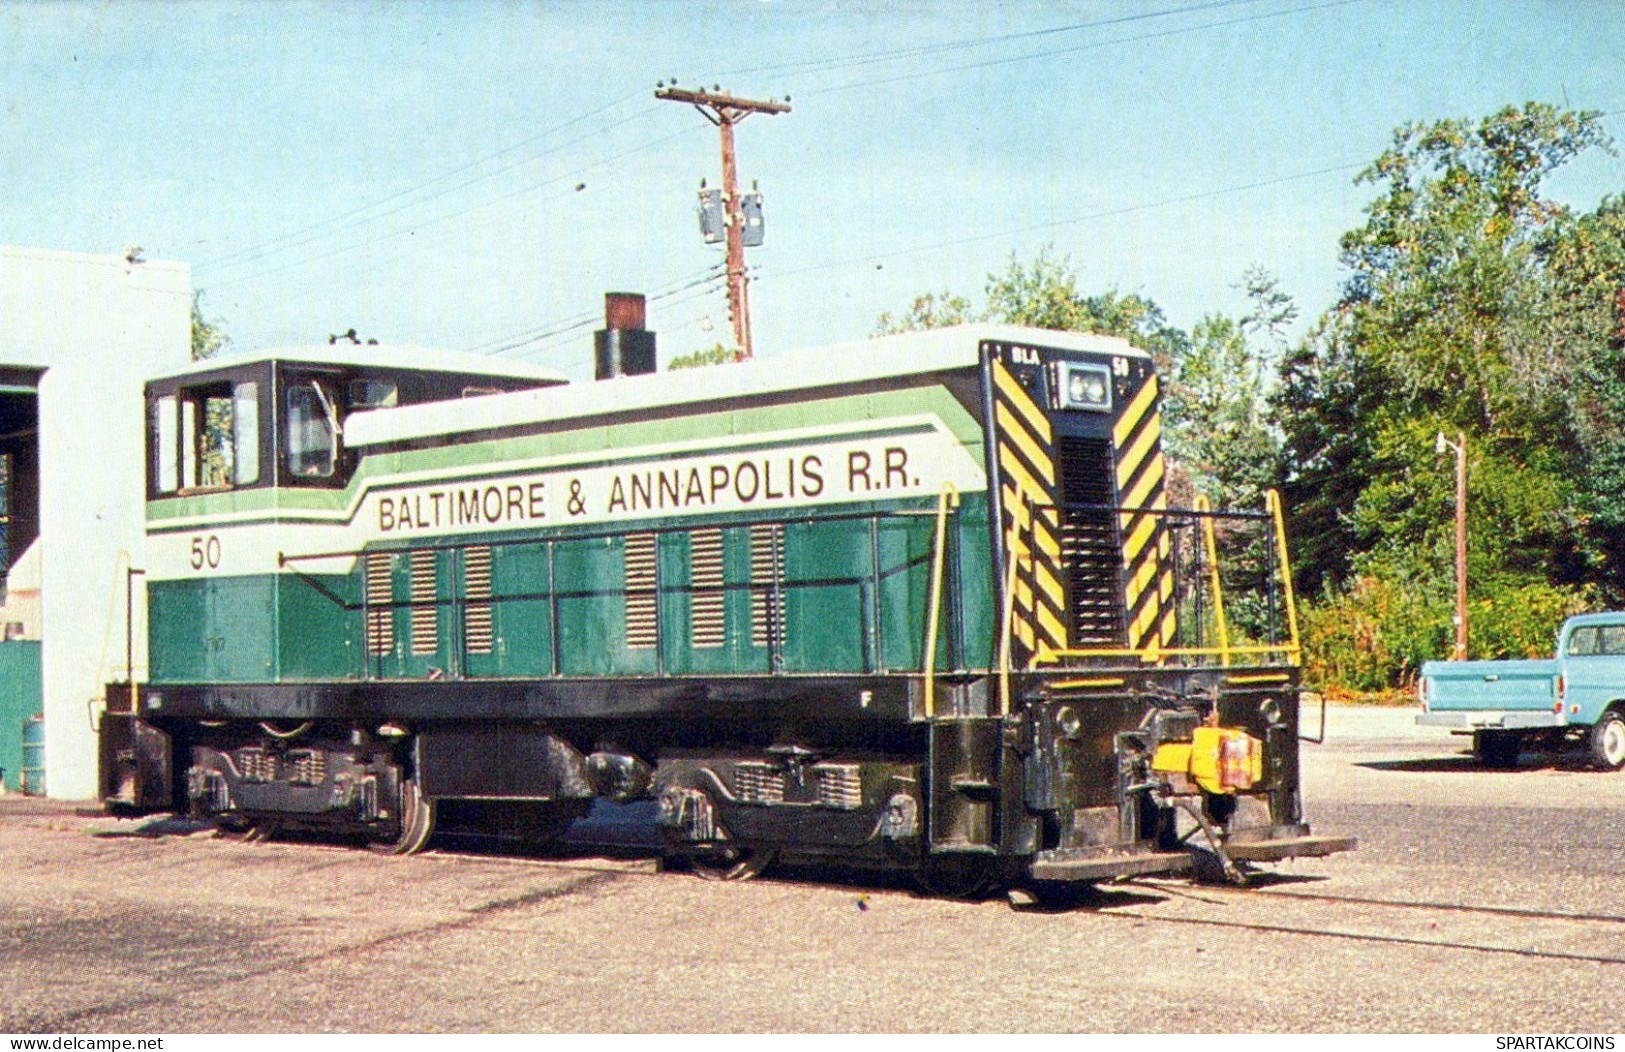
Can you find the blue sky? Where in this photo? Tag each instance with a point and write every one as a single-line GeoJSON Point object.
{"type": "Point", "coordinates": [412, 169]}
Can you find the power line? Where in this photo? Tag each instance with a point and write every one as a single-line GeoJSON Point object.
{"type": "Point", "coordinates": [1147, 206]}
{"type": "Point", "coordinates": [900, 54]}
{"type": "Point", "coordinates": [295, 238]}
{"type": "Point", "coordinates": [710, 276]}
{"type": "Point", "coordinates": [1095, 45]}
{"type": "Point", "coordinates": [415, 227]}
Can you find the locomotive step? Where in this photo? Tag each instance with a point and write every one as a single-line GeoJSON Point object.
{"type": "Point", "coordinates": [1068, 865]}
{"type": "Point", "coordinates": [1288, 847]}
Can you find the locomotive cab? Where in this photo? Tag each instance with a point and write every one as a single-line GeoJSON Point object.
{"type": "Point", "coordinates": [279, 422]}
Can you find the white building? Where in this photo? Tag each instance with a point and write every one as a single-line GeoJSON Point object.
{"type": "Point", "coordinates": [79, 334]}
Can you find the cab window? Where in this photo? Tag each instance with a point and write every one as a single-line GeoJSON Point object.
{"type": "Point", "coordinates": [1597, 641]}
{"type": "Point", "coordinates": [206, 437]}
{"type": "Point", "coordinates": [311, 437]}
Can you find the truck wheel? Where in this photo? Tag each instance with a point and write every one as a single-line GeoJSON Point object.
{"type": "Point", "coordinates": [1497, 748]}
{"type": "Point", "coordinates": [1607, 741]}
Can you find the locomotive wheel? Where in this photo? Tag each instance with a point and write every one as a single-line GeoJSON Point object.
{"type": "Point", "coordinates": [417, 822]}
{"type": "Point", "coordinates": [957, 876]}
{"type": "Point", "coordinates": [728, 861]}
{"type": "Point", "coordinates": [1607, 741]}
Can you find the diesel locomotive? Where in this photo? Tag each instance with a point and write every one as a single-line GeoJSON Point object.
{"type": "Point", "coordinates": [918, 603]}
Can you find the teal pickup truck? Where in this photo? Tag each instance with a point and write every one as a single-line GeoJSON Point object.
{"type": "Point", "coordinates": [1576, 697]}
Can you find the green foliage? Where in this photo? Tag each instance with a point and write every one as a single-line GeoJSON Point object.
{"type": "Point", "coordinates": [209, 338]}
{"type": "Point", "coordinates": [717, 355]}
{"type": "Point", "coordinates": [930, 311]}
{"type": "Point", "coordinates": [1474, 307]}
{"type": "Point", "coordinates": [1216, 411]}
{"type": "Point", "coordinates": [1375, 635]}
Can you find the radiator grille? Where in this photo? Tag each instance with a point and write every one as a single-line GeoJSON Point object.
{"type": "Point", "coordinates": [425, 613]}
{"type": "Point", "coordinates": [766, 598]}
{"type": "Point", "coordinates": [1090, 549]}
{"type": "Point", "coordinates": [642, 601]}
{"type": "Point", "coordinates": [477, 631]}
{"type": "Point", "coordinates": [380, 604]}
{"type": "Point", "coordinates": [707, 605]}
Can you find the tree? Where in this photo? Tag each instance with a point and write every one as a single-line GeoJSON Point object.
{"type": "Point", "coordinates": [1445, 330]}
{"type": "Point", "coordinates": [716, 355]}
{"type": "Point", "coordinates": [1450, 321]}
{"type": "Point", "coordinates": [209, 338]}
{"type": "Point", "coordinates": [930, 311]}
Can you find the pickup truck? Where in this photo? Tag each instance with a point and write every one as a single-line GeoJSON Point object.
{"type": "Point", "coordinates": [1576, 697]}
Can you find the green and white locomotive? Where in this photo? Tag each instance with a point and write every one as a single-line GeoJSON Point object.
{"type": "Point", "coordinates": [916, 603]}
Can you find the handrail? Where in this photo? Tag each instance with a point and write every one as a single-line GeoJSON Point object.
{"type": "Point", "coordinates": [1151, 655]}
{"type": "Point", "coordinates": [1272, 501]}
{"type": "Point", "coordinates": [1017, 550]}
{"type": "Point", "coordinates": [947, 500]}
{"type": "Point", "coordinates": [1210, 545]}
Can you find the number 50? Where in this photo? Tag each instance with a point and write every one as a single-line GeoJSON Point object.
{"type": "Point", "coordinates": [205, 552]}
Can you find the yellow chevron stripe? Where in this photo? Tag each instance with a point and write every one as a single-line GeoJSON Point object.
{"type": "Point", "coordinates": [1135, 455]}
{"type": "Point", "coordinates": [1010, 428]}
{"type": "Point", "coordinates": [1130, 419]}
{"type": "Point", "coordinates": [1042, 534]}
{"type": "Point", "coordinates": [1017, 471]}
{"type": "Point", "coordinates": [1165, 587]}
{"type": "Point", "coordinates": [1142, 625]}
{"type": "Point", "coordinates": [1049, 586]}
{"type": "Point", "coordinates": [1054, 630]}
{"type": "Point", "coordinates": [1136, 541]}
{"type": "Point", "coordinates": [1170, 627]}
{"type": "Point", "coordinates": [1011, 388]}
{"type": "Point", "coordinates": [1142, 490]}
{"type": "Point", "coordinates": [1137, 583]}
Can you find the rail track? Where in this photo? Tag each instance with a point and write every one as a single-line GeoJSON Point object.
{"type": "Point", "coordinates": [1597, 938]}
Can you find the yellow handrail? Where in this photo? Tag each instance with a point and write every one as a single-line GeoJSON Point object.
{"type": "Point", "coordinates": [1017, 550]}
{"type": "Point", "coordinates": [1151, 655]}
{"type": "Point", "coordinates": [1272, 501]}
{"type": "Point", "coordinates": [947, 500]}
{"type": "Point", "coordinates": [1210, 544]}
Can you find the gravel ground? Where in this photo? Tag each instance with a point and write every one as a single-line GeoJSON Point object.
{"type": "Point", "coordinates": [153, 927]}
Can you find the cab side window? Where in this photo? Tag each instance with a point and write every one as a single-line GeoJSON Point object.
{"type": "Point", "coordinates": [311, 436]}
{"type": "Point", "coordinates": [205, 437]}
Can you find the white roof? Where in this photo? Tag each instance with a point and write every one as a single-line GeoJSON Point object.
{"type": "Point", "coordinates": [932, 350]}
{"type": "Point", "coordinates": [371, 355]}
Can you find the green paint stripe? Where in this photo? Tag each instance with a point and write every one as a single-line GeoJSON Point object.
{"type": "Point", "coordinates": [272, 503]}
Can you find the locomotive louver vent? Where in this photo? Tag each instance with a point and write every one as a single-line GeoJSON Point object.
{"type": "Point", "coordinates": [477, 632]}
{"type": "Point", "coordinates": [425, 614]}
{"type": "Point", "coordinates": [758, 783]}
{"type": "Point", "coordinates": [642, 624]}
{"type": "Point", "coordinates": [707, 606]}
{"type": "Point", "coordinates": [766, 600]}
{"type": "Point", "coordinates": [307, 766]}
{"type": "Point", "coordinates": [256, 765]}
{"type": "Point", "coordinates": [840, 785]}
{"type": "Point", "coordinates": [380, 608]}
{"type": "Point", "coordinates": [1089, 543]}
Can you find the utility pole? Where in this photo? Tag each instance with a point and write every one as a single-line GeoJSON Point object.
{"type": "Point", "coordinates": [1440, 445]}
{"type": "Point", "coordinates": [725, 111]}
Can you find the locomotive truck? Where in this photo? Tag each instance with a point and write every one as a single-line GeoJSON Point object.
{"type": "Point", "coordinates": [917, 603]}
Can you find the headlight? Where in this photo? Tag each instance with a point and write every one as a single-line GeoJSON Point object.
{"type": "Point", "coordinates": [1085, 387]}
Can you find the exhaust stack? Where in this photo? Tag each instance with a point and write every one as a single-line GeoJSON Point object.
{"type": "Point", "coordinates": [623, 347]}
